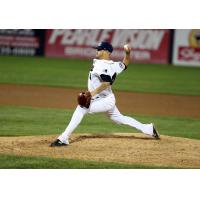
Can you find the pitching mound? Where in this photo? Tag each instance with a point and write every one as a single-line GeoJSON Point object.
{"type": "Point", "coordinates": [120, 148]}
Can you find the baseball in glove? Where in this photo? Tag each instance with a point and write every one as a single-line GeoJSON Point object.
{"type": "Point", "coordinates": [84, 99]}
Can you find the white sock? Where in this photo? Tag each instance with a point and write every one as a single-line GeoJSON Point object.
{"type": "Point", "coordinates": [75, 121]}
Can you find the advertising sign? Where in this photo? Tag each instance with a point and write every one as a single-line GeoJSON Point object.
{"type": "Point", "coordinates": [26, 42]}
{"type": "Point", "coordinates": [148, 46]}
{"type": "Point", "coordinates": [187, 47]}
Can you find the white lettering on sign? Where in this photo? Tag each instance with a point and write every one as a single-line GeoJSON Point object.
{"type": "Point", "coordinates": [74, 51]}
{"type": "Point", "coordinates": [105, 35]}
{"type": "Point", "coordinates": [141, 55]}
{"type": "Point", "coordinates": [135, 55]}
{"type": "Point", "coordinates": [189, 54]}
{"type": "Point", "coordinates": [88, 37]}
{"type": "Point", "coordinates": [79, 37]}
{"type": "Point", "coordinates": [54, 35]}
{"type": "Point", "coordinates": [19, 32]}
{"type": "Point", "coordinates": [138, 39]}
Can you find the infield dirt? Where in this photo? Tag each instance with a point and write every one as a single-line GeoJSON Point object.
{"type": "Point", "coordinates": [137, 103]}
{"type": "Point", "coordinates": [126, 148]}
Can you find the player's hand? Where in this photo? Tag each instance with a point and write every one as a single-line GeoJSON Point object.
{"type": "Point", "coordinates": [127, 48]}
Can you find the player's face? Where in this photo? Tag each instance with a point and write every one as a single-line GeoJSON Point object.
{"type": "Point", "coordinates": [99, 54]}
{"type": "Point", "coordinates": [102, 54]}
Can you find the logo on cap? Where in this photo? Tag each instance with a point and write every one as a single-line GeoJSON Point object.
{"type": "Point", "coordinates": [104, 46]}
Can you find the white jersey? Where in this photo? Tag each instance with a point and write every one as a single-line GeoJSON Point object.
{"type": "Point", "coordinates": [104, 71]}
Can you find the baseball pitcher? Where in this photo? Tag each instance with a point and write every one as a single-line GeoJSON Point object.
{"type": "Point", "coordinates": [99, 98]}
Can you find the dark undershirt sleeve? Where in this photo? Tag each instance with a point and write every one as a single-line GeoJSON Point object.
{"type": "Point", "coordinates": [106, 78]}
{"type": "Point", "coordinates": [125, 66]}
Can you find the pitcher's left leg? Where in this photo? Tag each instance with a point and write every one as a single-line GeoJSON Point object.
{"type": "Point", "coordinates": [118, 118]}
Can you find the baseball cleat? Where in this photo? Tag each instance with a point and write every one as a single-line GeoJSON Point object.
{"type": "Point", "coordinates": [155, 133]}
{"type": "Point", "coordinates": [57, 143]}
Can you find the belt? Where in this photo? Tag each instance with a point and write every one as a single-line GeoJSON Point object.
{"type": "Point", "coordinates": [100, 96]}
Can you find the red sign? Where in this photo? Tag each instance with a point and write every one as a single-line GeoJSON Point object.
{"type": "Point", "coordinates": [150, 46]}
{"type": "Point", "coordinates": [189, 54]}
{"type": "Point", "coordinates": [186, 51]}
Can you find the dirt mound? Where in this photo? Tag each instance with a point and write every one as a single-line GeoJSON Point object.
{"type": "Point", "coordinates": [121, 148]}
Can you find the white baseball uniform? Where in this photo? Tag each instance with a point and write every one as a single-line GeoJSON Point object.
{"type": "Point", "coordinates": [103, 71]}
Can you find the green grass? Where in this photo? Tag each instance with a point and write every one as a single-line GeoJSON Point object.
{"type": "Point", "coordinates": [18, 121]}
{"type": "Point", "coordinates": [73, 73]}
{"type": "Point", "coordinates": [25, 162]}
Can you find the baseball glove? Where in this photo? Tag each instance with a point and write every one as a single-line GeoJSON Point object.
{"type": "Point", "coordinates": [84, 99]}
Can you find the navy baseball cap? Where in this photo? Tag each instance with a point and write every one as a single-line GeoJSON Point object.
{"type": "Point", "coordinates": [104, 46]}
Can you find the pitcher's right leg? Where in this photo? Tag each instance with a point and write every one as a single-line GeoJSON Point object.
{"type": "Point", "coordinates": [75, 121]}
